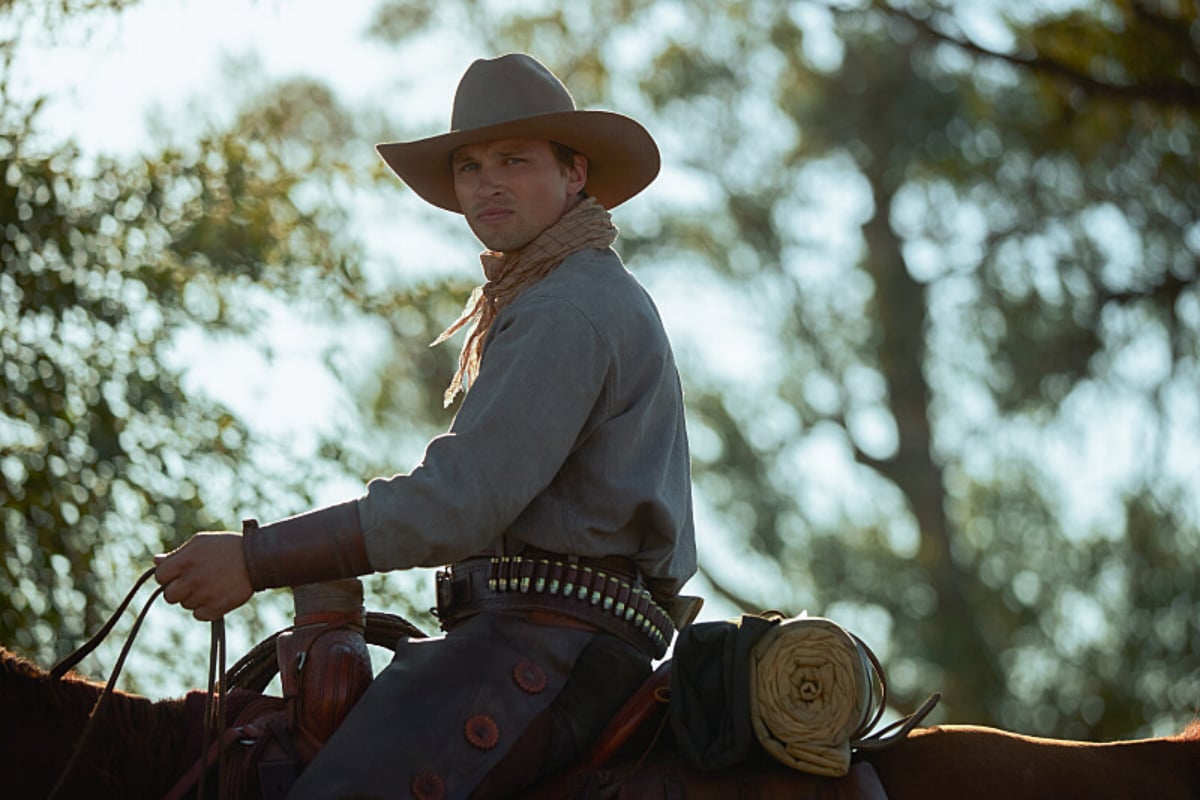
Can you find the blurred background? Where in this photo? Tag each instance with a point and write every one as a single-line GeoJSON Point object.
{"type": "Point", "coordinates": [930, 269]}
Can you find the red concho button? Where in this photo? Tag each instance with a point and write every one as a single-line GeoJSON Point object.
{"type": "Point", "coordinates": [529, 676]}
{"type": "Point", "coordinates": [482, 732]}
{"type": "Point", "coordinates": [428, 786]}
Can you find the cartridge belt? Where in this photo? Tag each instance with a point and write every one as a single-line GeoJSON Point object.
{"type": "Point", "coordinates": [588, 590]}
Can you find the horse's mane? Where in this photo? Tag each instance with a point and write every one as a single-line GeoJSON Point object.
{"type": "Point", "coordinates": [44, 717]}
{"type": "Point", "coordinates": [74, 695]}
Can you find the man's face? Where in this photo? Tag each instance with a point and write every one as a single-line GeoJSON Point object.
{"type": "Point", "coordinates": [510, 190]}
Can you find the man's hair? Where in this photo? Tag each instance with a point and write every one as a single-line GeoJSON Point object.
{"type": "Point", "coordinates": [564, 154]}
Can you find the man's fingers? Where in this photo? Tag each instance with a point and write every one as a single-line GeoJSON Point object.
{"type": "Point", "coordinates": [207, 614]}
{"type": "Point", "coordinates": [169, 566]}
{"type": "Point", "coordinates": [204, 605]}
{"type": "Point", "coordinates": [177, 591]}
{"type": "Point", "coordinates": [165, 570]}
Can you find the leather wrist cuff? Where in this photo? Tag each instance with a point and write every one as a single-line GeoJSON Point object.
{"type": "Point", "coordinates": [322, 545]}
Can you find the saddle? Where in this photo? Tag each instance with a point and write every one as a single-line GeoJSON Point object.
{"type": "Point", "coordinates": [325, 668]}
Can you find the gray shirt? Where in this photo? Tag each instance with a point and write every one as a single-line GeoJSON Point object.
{"type": "Point", "coordinates": [571, 439]}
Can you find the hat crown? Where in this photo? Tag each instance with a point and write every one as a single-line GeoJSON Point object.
{"type": "Point", "coordinates": [510, 87]}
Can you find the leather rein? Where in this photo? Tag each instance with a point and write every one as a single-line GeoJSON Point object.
{"type": "Point", "coordinates": [215, 700]}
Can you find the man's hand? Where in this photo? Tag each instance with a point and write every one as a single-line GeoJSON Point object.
{"type": "Point", "coordinates": [206, 575]}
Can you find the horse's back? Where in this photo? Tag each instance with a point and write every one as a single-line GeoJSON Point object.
{"type": "Point", "coordinates": [989, 764]}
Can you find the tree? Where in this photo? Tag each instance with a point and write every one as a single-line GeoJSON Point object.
{"type": "Point", "coordinates": [1090, 211]}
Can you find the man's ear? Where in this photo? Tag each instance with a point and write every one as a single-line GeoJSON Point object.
{"type": "Point", "coordinates": [577, 175]}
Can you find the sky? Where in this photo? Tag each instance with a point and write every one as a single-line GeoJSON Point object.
{"type": "Point", "coordinates": [107, 72]}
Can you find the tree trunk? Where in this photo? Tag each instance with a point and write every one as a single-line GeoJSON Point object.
{"type": "Point", "coordinates": [901, 311]}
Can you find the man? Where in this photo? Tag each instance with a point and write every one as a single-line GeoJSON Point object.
{"type": "Point", "coordinates": [560, 497]}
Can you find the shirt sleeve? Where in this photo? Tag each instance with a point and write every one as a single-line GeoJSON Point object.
{"type": "Point", "coordinates": [541, 378]}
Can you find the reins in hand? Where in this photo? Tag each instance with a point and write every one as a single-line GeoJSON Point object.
{"type": "Point", "coordinates": [216, 688]}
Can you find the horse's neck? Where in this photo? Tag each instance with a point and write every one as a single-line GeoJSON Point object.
{"type": "Point", "coordinates": [43, 719]}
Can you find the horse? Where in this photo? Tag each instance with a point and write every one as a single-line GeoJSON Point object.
{"type": "Point", "coordinates": [141, 748]}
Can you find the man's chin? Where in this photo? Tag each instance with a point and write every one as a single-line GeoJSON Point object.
{"type": "Point", "coordinates": [503, 244]}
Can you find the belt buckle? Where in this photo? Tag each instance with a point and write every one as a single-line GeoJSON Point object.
{"type": "Point", "coordinates": [443, 584]}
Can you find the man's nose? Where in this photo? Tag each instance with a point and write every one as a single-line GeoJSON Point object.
{"type": "Point", "coordinates": [489, 180]}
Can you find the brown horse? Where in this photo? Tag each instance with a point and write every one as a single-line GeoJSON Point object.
{"type": "Point", "coordinates": [142, 747]}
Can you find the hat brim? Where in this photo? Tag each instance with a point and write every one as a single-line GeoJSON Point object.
{"type": "Point", "coordinates": [622, 156]}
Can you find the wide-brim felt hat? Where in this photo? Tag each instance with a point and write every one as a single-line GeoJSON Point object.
{"type": "Point", "coordinates": [515, 96]}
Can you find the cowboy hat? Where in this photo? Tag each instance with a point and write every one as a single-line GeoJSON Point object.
{"type": "Point", "coordinates": [516, 97]}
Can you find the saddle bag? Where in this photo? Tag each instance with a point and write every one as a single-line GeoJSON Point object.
{"type": "Point", "coordinates": [805, 690]}
{"type": "Point", "coordinates": [710, 690]}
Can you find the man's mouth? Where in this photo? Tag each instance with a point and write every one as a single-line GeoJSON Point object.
{"type": "Point", "coordinates": [493, 214]}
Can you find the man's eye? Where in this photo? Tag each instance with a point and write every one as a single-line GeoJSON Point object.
{"type": "Point", "coordinates": [467, 166]}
